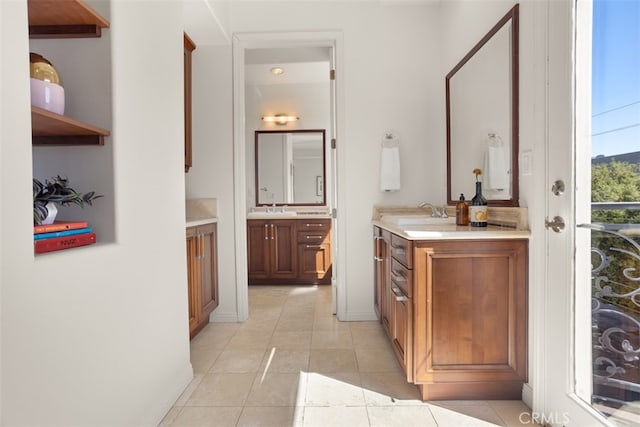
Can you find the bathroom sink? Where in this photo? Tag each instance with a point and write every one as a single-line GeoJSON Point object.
{"type": "Point", "coordinates": [405, 220]}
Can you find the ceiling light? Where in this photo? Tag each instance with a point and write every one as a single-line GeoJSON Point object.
{"type": "Point", "coordinates": [280, 119]}
{"type": "Point", "coordinates": [277, 71]}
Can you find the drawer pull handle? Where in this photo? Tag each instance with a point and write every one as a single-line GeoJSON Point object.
{"type": "Point", "coordinates": [400, 297]}
{"type": "Point", "coordinates": [398, 277]}
{"type": "Point", "coordinates": [313, 246]}
{"type": "Point", "coordinates": [314, 237]}
{"type": "Point", "coordinates": [313, 225]}
{"type": "Point", "coordinates": [266, 232]}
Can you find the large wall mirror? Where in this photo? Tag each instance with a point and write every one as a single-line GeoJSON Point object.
{"type": "Point", "coordinates": [290, 167]}
{"type": "Point", "coordinates": [482, 117]}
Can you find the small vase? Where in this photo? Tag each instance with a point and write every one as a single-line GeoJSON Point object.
{"type": "Point", "coordinates": [52, 211]}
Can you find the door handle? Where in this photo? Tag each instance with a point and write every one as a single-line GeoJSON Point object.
{"type": "Point", "coordinates": [557, 224]}
{"type": "Point", "coordinates": [272, 232]}
{"type": "Point", "coordinates": [266, 232]}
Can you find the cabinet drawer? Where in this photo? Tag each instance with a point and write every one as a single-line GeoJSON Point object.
{"type": "Point", "coordinates": [317, 237]}
{"type": "Point", "coordinates": [402, 278]}
{"type": "Point", "coordinates": [402, 250]}
{"type": "Point", "coordinates": [314, 225]}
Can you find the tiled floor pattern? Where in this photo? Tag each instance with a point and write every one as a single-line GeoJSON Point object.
{"type": "Point", "coordinates": [293, 364]}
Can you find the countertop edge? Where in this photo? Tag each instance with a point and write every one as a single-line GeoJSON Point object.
{"type": "Point", "coordinates": [299, 216]}
{"type": "Point", "coordinates": [200, 221]}
{"type": "Point", "coordinates": [462, 233]}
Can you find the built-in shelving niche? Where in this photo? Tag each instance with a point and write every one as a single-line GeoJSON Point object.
{"type": "Point", "coordinates": [74, 37]}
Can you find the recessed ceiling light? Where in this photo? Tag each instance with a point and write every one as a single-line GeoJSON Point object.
{"type": "Point", "coordinates": [277, 71]}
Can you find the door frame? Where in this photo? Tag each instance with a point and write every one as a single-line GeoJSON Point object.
{"type": "Point", "coordinates": [241, 42]}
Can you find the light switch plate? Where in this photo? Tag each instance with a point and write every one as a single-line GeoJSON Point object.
{"type": "Point", "coordinates": [526, 163]}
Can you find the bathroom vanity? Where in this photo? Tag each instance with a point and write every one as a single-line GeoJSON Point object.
{"type": "Point", "coordinates": [453, 302]}
{"type": "Point", "coordinates": [288, 249]}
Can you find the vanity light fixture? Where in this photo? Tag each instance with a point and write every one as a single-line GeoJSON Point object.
{"type": "Point", "coordinates": [277, 71]}
{"type": "Point", "coordinates": [280, 119]}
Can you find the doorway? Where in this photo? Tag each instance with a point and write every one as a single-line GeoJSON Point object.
{"type": "Point", "coordinates": [261, 49]}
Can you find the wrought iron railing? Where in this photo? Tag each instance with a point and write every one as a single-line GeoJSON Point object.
{"type": "Point", "coordinates": [615, 263]}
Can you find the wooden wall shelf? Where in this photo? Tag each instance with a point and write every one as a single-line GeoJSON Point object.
{"type": "Point", "coordinates": [64, 19]}
{"type": "Point", "coordinates": [49, 128]}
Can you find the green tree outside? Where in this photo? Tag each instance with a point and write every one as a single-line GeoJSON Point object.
{"type": "Point", "coordinates": [615, 182]}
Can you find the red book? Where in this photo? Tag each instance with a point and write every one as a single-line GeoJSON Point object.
{"type": "Point", "coordinates": [66, 242]}
{"type": "Point", "coordinates": [59, 226]}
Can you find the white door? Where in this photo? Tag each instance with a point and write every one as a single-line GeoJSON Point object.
{"type": "Point", "coordinates": [577, 331]}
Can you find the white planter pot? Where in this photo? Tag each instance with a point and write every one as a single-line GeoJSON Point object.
{"type": "Point", "coordinates": [52, 211]}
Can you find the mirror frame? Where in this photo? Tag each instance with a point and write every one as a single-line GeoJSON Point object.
{"type": "Point", "coordinates": [324, 165]}
{"type": "Point", "coordinates": [512, 16]}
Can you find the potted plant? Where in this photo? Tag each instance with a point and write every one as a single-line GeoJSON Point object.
{"type": "Point", "coordinates": [56, 191]}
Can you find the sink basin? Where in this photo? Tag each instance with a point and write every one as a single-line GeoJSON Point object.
{"type": "Point", "coordinates": [263, 214]}
{"type": "Point", "coordinates": [417, 220]}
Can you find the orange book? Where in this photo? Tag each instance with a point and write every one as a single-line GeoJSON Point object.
{"type": "Point", "coordinates": [66, 242]}
{"type": "Point", "coordinates": [59, 226]}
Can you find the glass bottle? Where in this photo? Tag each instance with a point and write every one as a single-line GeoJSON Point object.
{"type": "Point", "coordinates": [478, 209]}
{"type": "Point", "coordinates": [462, 211]}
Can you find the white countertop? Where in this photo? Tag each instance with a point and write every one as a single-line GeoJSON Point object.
{"type": "Point", "coordinates": [452, 231]}
{"type": "Point", "coordinates": [193, 222]}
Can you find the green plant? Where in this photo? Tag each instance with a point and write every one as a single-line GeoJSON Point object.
{"type": "Point", "coordinates": [57, 190]}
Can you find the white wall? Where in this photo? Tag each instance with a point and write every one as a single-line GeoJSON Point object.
{"type": "Point", "coordinates": [391, 80]}
{"type": "Point", "coordinates": [99, 335]}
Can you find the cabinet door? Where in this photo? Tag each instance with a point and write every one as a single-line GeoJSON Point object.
{"type": "Point", "coordinates": [378, 270]}
{"type": "Point", "coordinates": [388, 304]}
{"type": "Point", "coordinates": [471, 318]}
{"type": "Point", "coordinates": [314, 263]}
{"type": "Point", "coordinates": [283, 249]}
{"type": "Point", "coordinates": [402, 336]}
{"type": "Point", "coordinates": [209, 278]}
{"type": "Point", "coordinates": [193, 277]}
{"type": "Point", "coordinates": [258, 244]}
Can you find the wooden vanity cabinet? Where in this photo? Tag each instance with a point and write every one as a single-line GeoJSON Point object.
{"type": "Point", "coordinates": [202, 273]}
{"type": "Point", "coordinates": [314, 251]}
{"type": "Point", "coordinates": [400, 298]}
{"type": "Point", "coordinates": [470, 318]}
{"type": "Point", "coordinates": [383, 299]}
{"type": "Point", "coordinates": [272, 251]}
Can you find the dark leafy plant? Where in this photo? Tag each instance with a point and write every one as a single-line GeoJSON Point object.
{"type": "Point", "coordinates": [57, 190]}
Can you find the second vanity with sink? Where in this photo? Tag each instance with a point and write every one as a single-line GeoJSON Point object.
{"type": "Point", "coordinates": [290, 246]}
{"type": "Point", "coordinates": [453, 301]}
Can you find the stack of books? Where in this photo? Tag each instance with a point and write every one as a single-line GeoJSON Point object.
{"type": "Point", "coordinates": [62, 235]}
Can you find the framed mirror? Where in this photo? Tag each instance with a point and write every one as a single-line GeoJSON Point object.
{"type": "Point", "coordinates": [290, 167]}
{"type": "Point", "coordinates": [482, 117]}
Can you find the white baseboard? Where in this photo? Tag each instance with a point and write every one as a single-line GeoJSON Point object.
{"type": "Point", "coordinates": [362, 316]}
{"type": "Point", "coordinates": [227, 317]}
{"type": "Point", "coordinates": [171, 391]}
{"type": "Point", "coordinates": [527, 395]}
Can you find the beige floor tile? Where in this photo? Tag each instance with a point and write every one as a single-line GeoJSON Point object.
{"type": "Point", "coordinates": [285, 361]}
{"type": "Point", "coordinates": [249, 339]}
{"type": "Point", "coordinates": [294, 324]}
{"type": "Point", "coordinates": [214, 336]}
{"type": "Point", "coordinates": [263, 325]}
{"type": "Point", "coordinates": [266, 416]}
{"type": "Point", "coordinates": [300, 340]}
{"type": "Point", "coordinates": [366, 325]}
{"type": "Point", "coordinates": [476, 415]}
{"type": "Point", "coordinates": [374, 337]}
{"type": "Point", "coordinates": [329, 323]}
{"type": "Point", "coordinates": [207, 416]}
{"type": "Point", "coordinates": [238, 361]}
{"type": "Point", "coordinates": [337, 389]}
{"type": "Point", "coordinates": [170, 417]}
{"type": "Point", "coordinates": [222, 390]}
{"type": "Point", "coordinates": [344, 416]}
{"type": "Point", "coordinates": [401, 416]}
{"type": "Point", "coordinates": [332, 360]}
{"type": "Point", "coordinates": [203, 358]}
{"type": "Point", "coordinates": [389, 389]}
{"type": "Point", "coordinates": [274, 390]}
{"type": "Point", "coordinates": [331, 339]}
{"type": "Point", "coordinates": [264, 312]}
{"type": "Point", "coordinates": [188, 391]}
{"type": "Point", "coordinates": [380, 359]}
{"type": "Point", "coordinates": [513, 413]}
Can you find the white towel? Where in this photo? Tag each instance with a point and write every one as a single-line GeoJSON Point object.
{"type": "Point", "coordinates": [497, 169]}
{"type": "Point", "coordinates": [390, 169]}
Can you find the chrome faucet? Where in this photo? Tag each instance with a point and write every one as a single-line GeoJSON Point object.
{"type": "Point", "coordinates": [436, 212]}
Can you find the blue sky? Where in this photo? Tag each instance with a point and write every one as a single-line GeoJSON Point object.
{"type": "Point", "coordinates": [616, 77]}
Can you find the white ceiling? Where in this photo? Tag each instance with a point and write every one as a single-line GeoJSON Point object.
{"type": "Point", "coordinates": [301, 65]}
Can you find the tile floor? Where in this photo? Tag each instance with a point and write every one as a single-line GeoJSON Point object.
{"type": "Point", "coordinates": [293, 364]}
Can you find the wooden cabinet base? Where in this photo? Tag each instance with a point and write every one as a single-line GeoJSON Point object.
{"type": "Point", "coordinates": [472, 391]}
